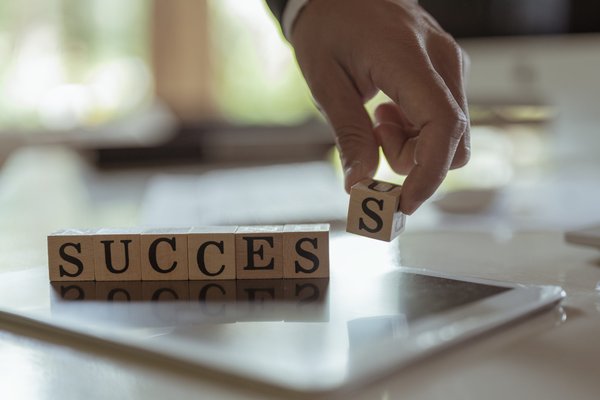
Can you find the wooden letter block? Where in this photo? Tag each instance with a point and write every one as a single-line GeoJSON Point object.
{"type": "Point", "coordinates": [117, 255]}
{"type": "Point", "coordinates": [259, 252]}
{"type": "Point", "coordinates": [71, 255]}
{"type": "Point", "coordinates": [306, 251]}
{"type": "Point", "coordinates": [164, 254]}
{"type": "Point", "coordinates": [211, 253]}
{"type": "Point", "coordinates": [373, 210]}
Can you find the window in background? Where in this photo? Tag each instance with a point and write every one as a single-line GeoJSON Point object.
{"type": "Point", "coordinates": [66, 64]}
{"type": "Point", "coordinates": [255, 75]}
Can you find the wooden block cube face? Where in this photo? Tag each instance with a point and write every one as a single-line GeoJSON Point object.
{"type": "Point", "coordinates": [117, 255]}
{"type": "Point", "coordinates": [259, 252]}
{"type": "Point", "coordinates": [71, 255]}
{"type": "Point", "coordinates": [306, 251]}
{"type": "Point", "coordinates": [164, 254]}
{"type": "Point", "coordinates": [373, 210]}
{"type": "Point", "coordinates": [211, 253]}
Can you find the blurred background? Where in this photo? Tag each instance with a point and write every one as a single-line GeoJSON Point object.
{"type": "Point", "coordinates": [183, 112]}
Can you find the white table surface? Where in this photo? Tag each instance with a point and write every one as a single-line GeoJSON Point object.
{"type": "Point", "coordinates": [554, 355]}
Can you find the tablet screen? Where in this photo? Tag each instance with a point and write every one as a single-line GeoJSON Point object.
{"type": "Point", "coordinates": [305, 334]}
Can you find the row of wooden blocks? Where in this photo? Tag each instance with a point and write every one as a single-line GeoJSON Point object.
{"type": "Point", "coordinates": [208, 253]}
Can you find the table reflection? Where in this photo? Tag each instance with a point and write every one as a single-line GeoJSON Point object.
{"type": "Point", "coordinates": [222, 301]}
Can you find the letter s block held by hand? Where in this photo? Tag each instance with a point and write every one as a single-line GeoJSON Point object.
{"type": "Point", "coordinates": [373, 210]}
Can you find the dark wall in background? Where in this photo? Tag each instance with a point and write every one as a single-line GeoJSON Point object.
{"type": "Point", "coordinates": [482, 18]}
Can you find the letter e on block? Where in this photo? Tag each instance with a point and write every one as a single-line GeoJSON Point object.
{"type": "Point", "coordinates": [211, 253]}
{"type": "Point", "coordinates": [71, 255]}
{"type": "Point", "coordinates": [117, 255]}
{"type": "Point", "coordinates": [164, 254]}
{"type": "Point", "coordinates": [373, 210]}
{"type": "Point", "coordinates": [259, 252]}
{"type": "Point", "coordinates": [306, 251]}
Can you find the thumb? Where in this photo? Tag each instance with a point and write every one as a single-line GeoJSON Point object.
{"type": "Point", "coordinates": [342, 105]}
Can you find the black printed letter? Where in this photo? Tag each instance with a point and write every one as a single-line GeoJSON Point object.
{"type": "Point", "coordinates": [372, 214]}
{"type": "Point", "coordinates": [108, 256]}
{"type": "Point", "coordinates": [200, 257]}
{"type": "Point", "coordinates": [152, 255]}
{"type": "Point", "coordinates": [308, 255]}
{"type": "Point", "coordinates": [259, 252]}
{"type": "Point", "coordinates": [68, 258]}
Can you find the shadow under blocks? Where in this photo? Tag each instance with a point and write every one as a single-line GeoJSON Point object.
{"type": "Point", "coordinates": [197, 254]}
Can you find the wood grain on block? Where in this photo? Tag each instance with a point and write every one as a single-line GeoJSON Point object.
{"type": "Point", "coordinates": [117, 255]}
{"type": "Point", "coordinates": [373, 210]}
{"type": "Point", "coordinates": [164, 254]}
{"type": "Point", "coordinates": [259, 252]}
{"type": "Point", "coordinates": [306, 251]}
{"type": "Point", "coordinates": [211, 253]}
{"type": "Point", "coordinates": [71, 255]}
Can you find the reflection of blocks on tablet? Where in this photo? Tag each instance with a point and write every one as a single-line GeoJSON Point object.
{"type": "Point", "coordinates": [306, 251]}
{"type": "Point", "coordinates": [117, 255]}
{"type": "Point", "coordinates": [211, 253]}
{"type": "Point", "coordinates": [71, 255]}
{"type": "Point", "coordinates": [125, 291]}
{"type": "Point", "coordinates": [259, 252]}
{"type": "Point", "coordinates": [74, 291]}
{"type": "Point", "coordinates": [165, 291]}
{"type": "Point", "coordinates": [164, 254]}
{"type": "Point", "coordinates": [373, 210]}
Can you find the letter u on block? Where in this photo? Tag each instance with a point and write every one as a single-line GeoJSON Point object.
{"type": "Point", "coordinates": [117, 255]}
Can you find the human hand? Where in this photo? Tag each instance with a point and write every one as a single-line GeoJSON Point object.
{"type": "Point", "coordinates": [348, 50]}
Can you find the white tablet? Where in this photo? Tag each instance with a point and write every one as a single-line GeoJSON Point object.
{"type": "Point", "coordinates": [303, 335]}
{"type": "Point", "coordinates": [589, 236]}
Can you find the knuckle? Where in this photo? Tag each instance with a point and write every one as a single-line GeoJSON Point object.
{"type": "Point", "coordinates": [351, 139]}
{"type": "Point", "coordinates": [456, 122]}
{"type": "Point", "coordinates": [349, 134]}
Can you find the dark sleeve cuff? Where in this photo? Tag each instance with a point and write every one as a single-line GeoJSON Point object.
{"type": "Point", "coordinates": [277, 7]}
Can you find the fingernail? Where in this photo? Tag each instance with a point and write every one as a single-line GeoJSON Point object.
{"type": "Point", "coordinates": [409, 208]}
